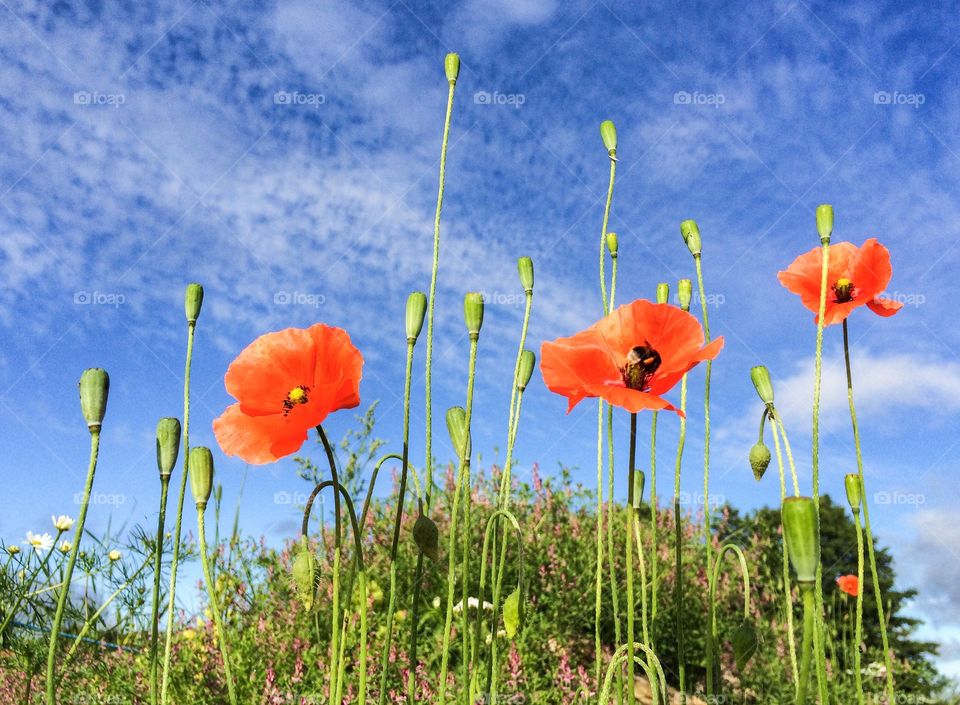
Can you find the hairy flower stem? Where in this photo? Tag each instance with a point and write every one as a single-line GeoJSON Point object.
{"type": "Point", "coordinates": [462, 473]}
{"type": "Point", "coordinates": [335, 657]}
{"type": "Point", "coordinates": [428, 393]}
{"type": "Point", "coordinates": [71, 562]}
{"type": "Point", "coordinates": [214, 604]}
{"type": "Point", "coordinates": [678, 546]}
{"type": "Point", "coordinates": [644, 622]}
{"type": "Point", "coordinates": [178, 522]}
{"type": "Point", "coordinates": [401, 496]}
{"type": "Point", "coordinates": [858, 627]}
{"type": "Point", "coordinates": [654, 554]}
{"type": "Point", "coordinates": [155, 602]}
{"type": "Point", "coordinates": [787, 587]}
{"type": "Point", "coordinates": [778, 424]}
{"type": "Point", "coordinates": [874, 576]}
{"type": "Point", "coordinates": [809, 625]}
{"type": "Point", "coordinates": [629, 512]}
{"type": "Point", "coordinates": [611, 517]}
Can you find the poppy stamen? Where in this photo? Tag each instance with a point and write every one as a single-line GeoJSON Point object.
{"type": "Point", "coordinates": [642, 362]}
{"type": "Point", "coordinates": [844, 291]}
{"type": "Point", "coordinates": [297, 395]}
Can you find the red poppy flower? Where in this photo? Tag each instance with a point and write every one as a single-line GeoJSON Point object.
{"type": "Point", "coordinates": [286, 383]}
{"type": "Point", "coordinates": [856, 276]}
{"type": "Point", "coordinates": [629, 358]}
{"type": "Point", "coordinates": [849, 584]}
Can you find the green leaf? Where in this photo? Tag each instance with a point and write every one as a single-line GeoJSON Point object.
{"type": "Point", "coordinates": [511, 613]}
{"type": "Point", "coordinates": [745, 643]}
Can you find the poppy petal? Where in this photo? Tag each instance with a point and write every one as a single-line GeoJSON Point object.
{"type": "Point", "coordinates": [257, 439]}
{"type": "Point", "coordinates": [570, 365]}
{"type": "Point", "coordinates": [884, 307]}
{"type": "Point", "coordinates": [633, 400]}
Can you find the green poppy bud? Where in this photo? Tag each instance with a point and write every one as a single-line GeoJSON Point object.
{"type": "Point", "coordinates": [451, 65]}
{"type": "Point", "coordinates": [684, 293]}
{"type": "Point", "coordinates": [473, 313]}
{"type": "Point", "coordinates": [760, 376]}
{"type": "Point", "coordinates": [759, 459]}
{"type": "Point", "coordinates": [427, 537]}
{"type": "Point", "coordinates": [168, 445]}
{"type": "Point", "coordinates": [691, 235]}
{"type": "Point", "coordinates": [193, 301]}
{"type": "Point", "coordinates": [612, 245]}
{"type": "Point", "coordinates": [201, 475]}
{"type": "Point", "coordinates": [94, 388]}
{"type": "Point", "coordinates": [802, 534]}
{"type": "Point", "coordinates": [528, 360]}
{"type": "Point", "coordinates": [608, 132]}
{"type": "Point", "coordinates": [305, 572]}
{"type": "Point", "coordinates": [457, 428]}
{"type": "Point", "coordinates": [525, 267]}
{"type": "Point", "coordinates": [512, 613]}
{"type": "Point", "coordinates": [663, 293]}
{"type": "Point", "coordinates": [854, 491]}
{"type": "Point", "coordinates": [638, 481]}
{"type": "Point", "coordinates": [416, 308]}
{"type": "Point", "coordinates": [825, 222]}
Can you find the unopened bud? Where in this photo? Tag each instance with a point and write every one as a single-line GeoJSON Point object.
{"type": "Point", "coordinates": [684, 293]}
{"type": "Point", "coordinates": [427, 537]}
{"type": "Point", "coordinates": [759, 459]}
{"type": "Point", "coordinates": [525, 267]}
{"type": "Point", "coordinates": [305, 573]}
{"type": "Point", "coordinates": [663, 293]}
{"type": "Point", "coordinates": [416, 308]}
{"type": "Point", "coordinates": [94, 389]}
{"type": "Point", "coordinates": [612, 244]}
{"type": "Point", "coordinates": [854, 491]}
{"type": "Point", "coordinates": [638, 481]}
{"type": "Point", "coordinates": [473, 312]}
{"type": "Point", "coordinates": [802, 534]}
{"type": "Point", "coordinates": [168, 445]}
{"type": "Point", "coordinates": [201, 475]}
{"type": "Point", "coordinates": [691, 235]}
{"type": "Point", "coordinates": [825, 222]}
{"type": "Point", "coordinates": [608, 132]}
{"type": "Point", "coordinates": [528, 360]}
{"type": "Point", "coordinates": [512, 613]}
{"type": "Point", "coordinates": [457, 428]}
{"type": "Point", "coordinates": [193, 301]}
{"type": "Point", "coordinates": [451, 66]}
{"type": "Point", "coordinates": [760, 376]}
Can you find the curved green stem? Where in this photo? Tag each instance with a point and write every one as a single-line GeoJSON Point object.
{"type": "Point", "coordinates": [214, 602]}
{"type": "Point", "coordinates": [71, 561]}
{"type": "Point", "coordinates": [714, 577]}
{"type": "Point", "coordinates": [178, 522]}
{"type": "Point", "coordinates": [155, 602]}
{"type": "Point", "coordinates": [778, 424]}
{"type": "Point", "coordinates": [874, 576]}
{"type": "Point", "coordinates": [787, 587]}
{"type": "Point", "coordinates": [644, 625]}
{"type": "Point", "coordinates": [619, 656]}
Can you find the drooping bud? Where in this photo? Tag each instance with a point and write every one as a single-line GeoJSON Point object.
{"type": "Point", "coordinates": [473, 312]}
{"type": "Point", "coordinates": [416, 308]}
{"type": "Point", "coordinates": [512, 613]}
{"type": "Point", "coordinates": [457, 428]}
{"type": "Point", "coordinates": [608, 132]}
{"type": "Point", "coordinates": [825, 222]}
{"type": "Point", "coordinates": [663, 293]}
{"type": "Point", "coordinates": [612, 244]}
{"type": "Point", "coordinates": [94, 389]}
{"type": "Point", "coordinates": [638, 481]}
{"type": "Point", "coordinates": [451, 66]}
{"type": "Point", "coordinates": [525, 267]}
{"type": "Point", "coordinates": [305, 572]}
{"type": "Point", "coordinates": [684, 293]}
{"type": "Point", "coordinates": [854, 491]}
{"type": "Point", "coordinates": [193, 301]}
{"type": "Point", "coordinates": [427, 537]}
{"type": "Point", "coordinates": [201, 475]}
{"type": "Point", "coordinates": [168, 445]}
{"type": "Point", "coordinates": [691, 235]}
{"type": "Point", "coordinates": [528, 360]}
{"type": "Point", "coordinates": [759, 459]}
{"type": "Point", "coordinates": [800, 531]}
{"type": "Point", "coordinates": [760, 376]}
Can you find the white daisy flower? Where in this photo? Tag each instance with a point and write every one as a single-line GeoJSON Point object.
{"type": "Point", "coordinates": [62, 522]}
{"type": "Point", "coordinates": [39, 542]}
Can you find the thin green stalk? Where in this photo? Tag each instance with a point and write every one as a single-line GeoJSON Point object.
{"type": "Point", "coordinates": [858, 627]}
{"type": "Point", "coordinates": [654, 554]}
{"type": "Point", "coordinates": [335, 659]}
{"type": "Point", "coordinates": [611, 518]}
{"type": "Point", "coordinates": [874, 576]}
{"type": "Point", "coordinates": [809, 624]}
{"type": "Point", "coordinates": [401, 496]}
{"type": "Point", "coordinates": [155, 602]}
{"type": "Point", "coordinates": [27, 582]}
{"type": "Point", "coordinates": [628, 560]}
{"type": "Point", "coordinates": [71, 561]}
{"type": "Point", "coordinates": [714, 578]}
{"type": "Point", "coordinates": [462, 473]}
{"type": "Point", "coordinates": [778, 423]}
{"type": "Point", "coordinates": [465, 586]}
{"type": "Point", "coordinates": [178, 523]}
{"type": "Point", "coordinates": [787, 587]}
{"type": "Point", "coordinates": [214, 603]}
{"type": "Point", "coordinates": [619, 656]}
{"type": "Point", "coordinates": [644, 625]}
{"type": "Point", "coordinates": [678, 544]}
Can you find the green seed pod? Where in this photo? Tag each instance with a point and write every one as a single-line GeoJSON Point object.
{"type": "Point", "coordinates": [759, 459]}
{"type": "Point", "coordinates": [525, 267]}
{"type": "Point", "coordinates": [457, 428]}
{"type": "Point", "coordinates": [473, 312]}
{"type": "Point", "coordinates": [684, 293]}
{"type": "Point", "coordinates": [854, 491]}
{"type": "Point", "coordinates": [639, 480]}
{"type": "Point", "coordinates": [663, 293]}
{"type": "Point", "coordinates": [608, 132]}
{"type": "Point", "coordinates": [451, 65]}
{"type": "Point", "coordinates": [802, 534]}
{"type": "Point", "coordinates": [760, 376]}
{"type": "Point", "coordinates": [427, 537]}
{"type": "Point", "coordinates": [528, 360]}
{"type": "Point", "coordinates": [305, 572]}
{"type": "Point", "coordinates": [512, 613]}
{"type": "Point", "coordinates": [612, 244]}
{"type": "Point", "coordinates": [825, 222]}
{"type": "Point", "coordinates": [168, 445]}
{"type": "Point", "coordinates": [416, 308]}
{"type": "Point", "coordinates": [201, 475]}
{"type": "Point", "coordinates": [94, 389]}
{"type": "Point", "coordinates": [193, 301]}
{"type": "Point", "coordinates": [691, 235]}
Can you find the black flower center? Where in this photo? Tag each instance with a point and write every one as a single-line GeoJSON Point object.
{"type": "Point", "coordinates": [844, 291]}
{"type": "Point", "coordinates": [642, 362]}
{"type": "Point", "coordinates": [297, 395]}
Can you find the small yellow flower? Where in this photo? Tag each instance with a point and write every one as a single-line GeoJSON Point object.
{"type": "Point", "coordinates": [114, 555]}
{"type": "Point", "coordinates": [65, 547]}
{"type": "Point", "coordinates": [13, 550]}
{"type": "Point", "coordinates": [62, 522]}
{"type": "Point", "coordinates": [188, 633]}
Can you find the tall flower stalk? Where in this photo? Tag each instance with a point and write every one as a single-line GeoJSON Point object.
{"type": "Point", "coordinates": [684, 292]}
{"type": "Point", "coordinates": [663, 296]}
{"type": "Point", "coordinates": [854, 488]}
{"type": "Point", "coordinates": [193, 302]}
{"type": "Point", "coordinates": [94, 389]}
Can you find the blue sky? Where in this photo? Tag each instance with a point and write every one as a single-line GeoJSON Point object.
{"type": "Point", "coordinates": [292, 148]}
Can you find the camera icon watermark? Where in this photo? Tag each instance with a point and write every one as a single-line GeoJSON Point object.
{"type": "Point", "coordinates": [298, 298]}
{"type": "Point", "coordinates": [699, 98]}
{"type": "Point", "coordinates": [914, 100]}
{"type": "Point", "coordinates": [900, 499]}
{"type": "Point", "coordinates": [499, 298]}
{"type": "Point", "coordinates": [285, 498]}
{"type": "Point", "coordinates": [907, 299]}
{"type": "Point", "coordinates": [110, 499]}
{"type": "Point", "coordinates": [99, 298]}
{"type": "Point", "coordinates": [314, 100]}
{"type": "Point", "coordinates": [496, 98]}
{"type": "Point", "coordinates": [97, 98]}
